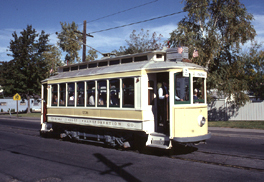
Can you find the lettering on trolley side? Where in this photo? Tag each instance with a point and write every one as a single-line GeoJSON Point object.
{"type": "Point", "coordinates": [94, 122]}
{"type": "Point", "coordinates": [84, 112]}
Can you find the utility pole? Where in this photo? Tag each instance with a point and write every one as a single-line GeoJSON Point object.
{"type": "Point", "coordinates": [84, 41]}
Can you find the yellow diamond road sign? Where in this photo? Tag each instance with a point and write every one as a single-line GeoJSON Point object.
{"type": "Point", "coordinates": [17, 97]}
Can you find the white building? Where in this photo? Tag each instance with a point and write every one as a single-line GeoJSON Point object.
{"type": "Point", "coordinates": [8, 104]}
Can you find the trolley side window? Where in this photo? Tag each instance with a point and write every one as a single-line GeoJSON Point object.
{"type": "Point", "coordinates": [80, 94]}
{"type": "Point", "coordinates": [101, 102]}
{"type": "Point", "coordinates": [71, 96]}
{"type": "Point", "coordinates": [198, 90]}
{"type": "Point", "coordinates": [91, 93]}
{"type": "Point", "coordinates": [83, 66]}
{"type": "Point", "coordinates": [114, 93]}
{"type": "Point", "coordinates": [128, 92]}
{"type": "Point", "coordinates": [62, 94]}
{"type": "Point", "coordinates": [114, 62]}
{"type": "Point", "coordinates": [54, 98]}
{"type": "Point", "coordinates": [181, 89]}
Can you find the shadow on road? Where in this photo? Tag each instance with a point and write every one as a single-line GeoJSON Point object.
{"type": "Point", "coordinates": [115, 168]}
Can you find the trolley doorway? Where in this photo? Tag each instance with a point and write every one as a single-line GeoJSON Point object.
{"type": "Point", "coordinates": [163, 105]}
{"type": "Point", "coordinates": [158, 100]}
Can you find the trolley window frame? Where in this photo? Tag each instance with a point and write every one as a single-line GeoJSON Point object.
{"type": "Point", "coordinates": [176, 102]}
{"type": "Point", "coordinates": [80, 98]}
{"type": "Point", "coordinates": [114, 92]}
{"type": "Point", "coordinates": [102, 93]}
{"type": "Point", "coordinates": [129, 89]}
{"type": "Point", "coordinates": [90, 93]}
{"type": "Point", "coordinates": [201, 91]}
{"type": "Point", "coordinates": [125, 93]}
{"type": "Point", "coordinates": [71, 94]}
{"type": "Point", "coordinates": [54, 92]}
{"type": "Point", "coordinates": [62, 94]}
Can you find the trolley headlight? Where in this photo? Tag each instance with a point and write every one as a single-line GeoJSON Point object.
{"type": "Point", "coordinates": [201, 120]}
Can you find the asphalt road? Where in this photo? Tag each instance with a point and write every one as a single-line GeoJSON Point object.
{"type": "Point", "coordinates": [230, 155]}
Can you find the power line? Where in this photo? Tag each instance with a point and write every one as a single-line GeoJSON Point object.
{"type": "Point", "coordinates": [143, 21]}
{"type": "Point", "coordinates": [104, 16]}
{"type": "Point", "coordinates": [120, 12]}
{"type": "Point", "coordinates": [129, 25]}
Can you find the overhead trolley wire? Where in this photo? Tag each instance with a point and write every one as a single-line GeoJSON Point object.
{"type": "Point", "coordinates": [143, 21]}
{"type": "Point", "coordinates": [132, 24]}
{"type": "Point", "coordinates": [117, 12]}
{"type": "Point", "coordinates": [120, 12]}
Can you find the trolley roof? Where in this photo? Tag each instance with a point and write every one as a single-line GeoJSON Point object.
{"type": "Point", "coordinates": [147, 65]}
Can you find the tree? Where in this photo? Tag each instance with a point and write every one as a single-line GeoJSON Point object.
{"type": "Point", "coordinates": [53, 59]}
{"type": "Point", "coordinates": [28, 67]}
{"type": "Point", "coordinates": [91, 55]}
{"type": "Point", "coordinates": [7, 72]}
{"type": "Point", "coordinates": [217, 29]}
{"type": "Point", "coordinates": [254, 70]}
{"type": "Point", "coordinates": [69, 41]}
{"type": "Point", "coordinates": [140, 42]}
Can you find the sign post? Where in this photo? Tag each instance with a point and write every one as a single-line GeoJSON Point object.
{"type": "Point", "coordinates": [17, 97]}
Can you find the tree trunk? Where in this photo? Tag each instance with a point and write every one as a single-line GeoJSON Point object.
{"type": "Point", "coordinates": [28, 108]}
{"type": "Point", "coordinates": [207, 65]}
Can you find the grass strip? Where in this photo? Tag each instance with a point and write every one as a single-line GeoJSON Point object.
{"type": "Point", "coordinates": [33, 115]}
{"type": "Point", "coordinates": [238, 124]}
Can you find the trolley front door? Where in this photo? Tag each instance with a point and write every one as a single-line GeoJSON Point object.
{"type": "Point", "coordinates": [44, 103]}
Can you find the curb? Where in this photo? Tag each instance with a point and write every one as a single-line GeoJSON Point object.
{"type": "Point", "coordinates": [235, 130]}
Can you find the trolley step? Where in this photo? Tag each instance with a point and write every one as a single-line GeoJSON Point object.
{"type": "Point", "coordinates": [158, 140]}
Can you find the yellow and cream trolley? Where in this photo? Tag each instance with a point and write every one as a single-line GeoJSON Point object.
{"type": "Point", "coordinates": [117, 100]}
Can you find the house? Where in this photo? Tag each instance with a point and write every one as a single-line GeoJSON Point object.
{"type": "Point", "coordinates": [8, 104]}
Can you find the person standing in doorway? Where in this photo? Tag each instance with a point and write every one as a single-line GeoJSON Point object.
{"type": "Point", "coordinates": [164, 105]}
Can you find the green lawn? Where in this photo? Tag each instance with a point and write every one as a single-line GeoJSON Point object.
{"type": "Point", "coordinates": [238, 124]}
{"type": "Point", "coordinates": [35, 114]}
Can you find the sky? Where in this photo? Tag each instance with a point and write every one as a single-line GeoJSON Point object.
{"type": "Point", "coordinates": [46, 15]}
